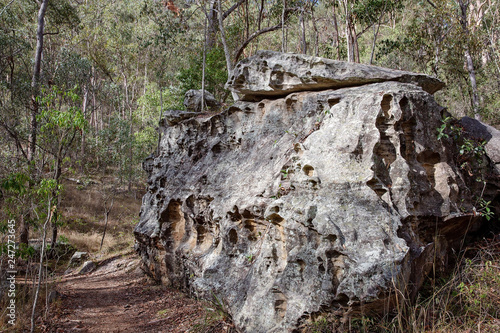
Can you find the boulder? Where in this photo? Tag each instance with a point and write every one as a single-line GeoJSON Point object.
{"type": "Point", "coordinates": [490, 135]}
{"type": "Point", "coordinates": [54, 295]}
{"type": "Point", "coordinates": [192, 100]}
{"type": "Point", "coordinates": [87, 267]}
{"type": "Point", "coordinates": [316, 201]}
{"type": "Point", "coordinates": [269, 74]}
{"type": "Point", "coordinates": [77, 258]}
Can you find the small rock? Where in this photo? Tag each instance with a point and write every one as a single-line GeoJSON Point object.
{"type": "Point", "coordinates": [77, 258]}
{"type": "Point", "coordinates": [54, 295]}
{"type": "Point", "coordinates": [192, 100]}
{"type": "Point", "coordinates": [87, 267]}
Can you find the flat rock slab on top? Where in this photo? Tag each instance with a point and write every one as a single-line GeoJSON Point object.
{"type": "Point", "coordinates": [275, 74]}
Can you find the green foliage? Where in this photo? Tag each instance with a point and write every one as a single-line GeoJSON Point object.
{"type": "Point", "coordinates": [369, 11]}
{"type": "Point", "coordinates": [484, 208]}
{"type": "Point", "coordinates": [58, 112]}
{"type": "Point", "coordinates": [23, 251]}
{"type": "Point", "coordinates": [60, 120]}
{"type": "Point", "coordinates": [62, 13]}
{"type": "Point", "coordinates": [150, 104]}
{"type": "Point", "coordinates": [215, 73]}
{"type": "Point", "coordinates": [15, 182]}
{"type": "Point", "coordinates": [468, 148]}
{"type": "Point", "coordinates": [470, 157]}
{"type": "Point", "coordinates": [73, 71]}
{"type": "Point", "coordinates": [48, 188]}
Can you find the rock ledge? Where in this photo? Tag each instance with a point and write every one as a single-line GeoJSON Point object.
{"type": "Point", "coordinates": [270, 74]}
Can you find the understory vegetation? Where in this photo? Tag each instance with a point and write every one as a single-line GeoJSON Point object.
{"type": "Point", "coordinates": [466, 298]}
{"type": "Point", "coordinates": [83, 85]}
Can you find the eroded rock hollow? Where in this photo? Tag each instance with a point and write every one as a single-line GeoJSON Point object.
{"type": "Point", "coordinates": [307, 196]}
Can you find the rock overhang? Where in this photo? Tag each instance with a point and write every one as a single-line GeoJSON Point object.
{"type": "Point", "coordinates": [270, 74]}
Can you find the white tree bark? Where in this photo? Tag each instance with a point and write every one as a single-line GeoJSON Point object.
{"type": "Point", "coordinates": [226, 49]}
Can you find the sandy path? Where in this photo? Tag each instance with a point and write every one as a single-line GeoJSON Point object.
{"type": "Point", "coordinates": [118, 298]}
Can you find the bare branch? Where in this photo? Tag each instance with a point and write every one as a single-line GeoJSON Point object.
{"type": "Point", "coordinates": [233, 7]}
{"type": "Point", "coordinates": [51, 33]}
{"type": "Point", "coordinates": [14, 136]}
{"type": "Point", "coordinates": [430, 3]}
{"type": "Point", "coordinates": [252, 37]}
{"type": "Point", "coordinates": [4, 8]}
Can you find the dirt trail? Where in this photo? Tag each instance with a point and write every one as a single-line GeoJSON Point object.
{"type": "Point", "coordinates": [118, 298]}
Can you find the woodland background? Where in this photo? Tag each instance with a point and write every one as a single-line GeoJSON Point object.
{"type": "Point", "coordinates": [83, 83]}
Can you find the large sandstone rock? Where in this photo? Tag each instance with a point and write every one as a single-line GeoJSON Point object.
{"type": "Point", "coordinates": [274, 74]}
{"type": "Point", "coordinates": [317, 201]}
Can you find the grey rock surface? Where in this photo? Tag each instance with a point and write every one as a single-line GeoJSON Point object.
{"type": "Point", "coordinates": [172, 117]}
{"type": "Point", "coordinates": [275, 74]}
{"type": "Point", "coordinates": [77, 258]}
{"type": "Point", "coordinates": [480, 131]}
{"type": "Point", "coordinates": [317, 201]}
{"type": "Point", "coordinates": [87, 267]}
{"type": "Point", "coordinates": [192, 100]}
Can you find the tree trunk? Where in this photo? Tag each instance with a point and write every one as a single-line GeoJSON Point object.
{"type": "Point", "coordinates": [35, 82]}
{"type": "Point", "coordinates": [55, 196]}
{"type": "Point", "coordinates": [35, 91]}
{"type": "Point", "coordinates": [37, 290]}
{"type": "Point", "coordinates": [212, 25]}
{"type": "Point", "coordinates": [355, 45]}
{"type": "Point", "coordinates": [24, 230]}
{"type": "Point", "coordinates": [107, 210]}
{"type": "Point", "coordinates": [247, 21]}
{"type": "Point", "coordinates": [84, 109]}
{"type": "Point", "coordinates": [284, 33]}
{"type": "Point", "coordinates": [336, 42]}
{"type": "Point", "coordinates": [303, 43]}
{"type": "Point", "coordinates": [226, 49]}
{"type": "Point", "coordinates": [204, 62]}
{"type": "Point", "coordinates": [468, 59]}
{"type": "Point", "coordinates": [472, 77]}
{"type": "Point", "coordinates": [348, 31]}
{"type": "Point", "coordinates": [316, 32]}
{"type": "Point", "coordinates": [159, 120]}
{"type": "Point", "coordinates": [375, 33]}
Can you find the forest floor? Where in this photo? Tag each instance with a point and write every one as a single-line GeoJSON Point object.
{"type": "Point", "coordinates": [117, 297]}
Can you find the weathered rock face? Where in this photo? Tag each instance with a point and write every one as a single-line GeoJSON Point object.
{"type": "Point", "coordinates": [313, 202]}
{"type": "Point", "coordinates": [273, 74]}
